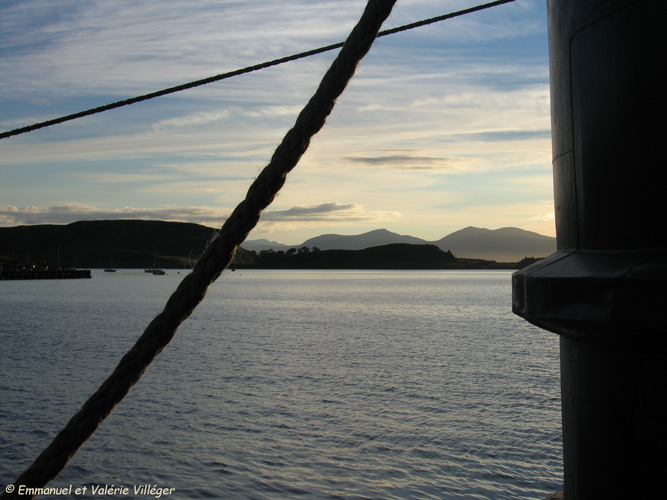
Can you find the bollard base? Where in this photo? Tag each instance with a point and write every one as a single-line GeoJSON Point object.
{"type": "Point", "coordinates": [608, 309]}
{"type": "Point", "coordinates": [612, 296]}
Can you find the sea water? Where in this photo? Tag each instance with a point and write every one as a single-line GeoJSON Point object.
{"type": "Point", "coordinates": [288, 384]}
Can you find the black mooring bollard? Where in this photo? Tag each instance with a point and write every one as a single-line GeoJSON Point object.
{"type": "Point", "coordinates": [605, 290]}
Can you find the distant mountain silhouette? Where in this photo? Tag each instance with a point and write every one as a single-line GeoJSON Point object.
{"type": "Point", "coordinates": [133, 244]}
{"type": "Point", "coordinates": [508, 244]}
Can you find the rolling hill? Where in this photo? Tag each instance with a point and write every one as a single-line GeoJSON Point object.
{"type": "Point", "coordinates": [507, 244]}
{"type": "Point", "coordinates": [359, 242]}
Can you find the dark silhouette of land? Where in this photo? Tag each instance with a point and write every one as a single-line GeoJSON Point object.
{"type": "Point", "coordinates": [392, 256]}
{"type": "Point", "coordinates": [106, 243]}
{"type": "Point", "coordinates": [176, 245]}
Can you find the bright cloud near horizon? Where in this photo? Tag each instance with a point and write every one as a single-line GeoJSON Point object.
{"type": "Point", "coordinates": [443, 127]}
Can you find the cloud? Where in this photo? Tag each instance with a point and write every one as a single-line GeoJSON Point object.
{"type": "Point", "coordinates": [193, 120]}
{"type": "Point", "coordinates": [101, 43]}
{"type": "Point", "coordinates": [313, 212]}
{"type": "Point", "coordinates": [321, 215]}
{"type": "Point", "coordinates": [412, 162]}
{"type": "Point", "coordinates": [65, 213]}
{"type": "Point", "coordinates": [547, 217]}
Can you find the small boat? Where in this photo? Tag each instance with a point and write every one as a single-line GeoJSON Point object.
{"type": "Point", "coordinates": [156, 266]}
{"type": "Point", "coordinates": [110, 269]}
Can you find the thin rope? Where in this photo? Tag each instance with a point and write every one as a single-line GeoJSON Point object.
{"type": "Point", "coordinates": [215, 259]}
{"type": "Point", "coordinates": [242, 71]}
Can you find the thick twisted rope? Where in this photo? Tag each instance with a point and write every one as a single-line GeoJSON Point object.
{"type": "Point", "coordinates": [217, 256]}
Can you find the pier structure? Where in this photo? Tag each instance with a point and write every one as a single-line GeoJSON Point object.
{"type": "Point", "coordinates": [604, 291]}
{"type": "Point", "coordinates": [44, 274]}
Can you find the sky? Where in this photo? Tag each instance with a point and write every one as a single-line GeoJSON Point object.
{"type": "Point", "coordinates": [442, 127]}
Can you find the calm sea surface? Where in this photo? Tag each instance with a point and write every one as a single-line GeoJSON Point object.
{"type": "Point", "coordinates": [290, 384]}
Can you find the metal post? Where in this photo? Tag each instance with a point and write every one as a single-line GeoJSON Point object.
{"type": "Point", "coordinates": [604, 291]}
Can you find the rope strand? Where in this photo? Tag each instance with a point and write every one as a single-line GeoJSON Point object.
{"type": "Point", "coordinates": [242, 71]}
{"type": "Point", "coordinates": [217, 256]}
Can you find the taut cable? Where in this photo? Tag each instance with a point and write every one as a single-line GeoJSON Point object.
{"type": "Point", "coordinates": [237, 72]}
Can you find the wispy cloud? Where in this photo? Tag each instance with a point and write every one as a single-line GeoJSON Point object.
{"type": "Point", "coordinates": [322, 215]}
{"type": "Point", "coordinates": [91, 47]}
{"type": "Point", "coordinates": [204, 118]}
{"type": "Point", "coordinates": [63, 213]}
{"type": "Point", "coordinates": [548, 216]}
{"type": "Point", "coordinates": [412, 162]}
{"type": "Point", "coordinates": [314, 212]}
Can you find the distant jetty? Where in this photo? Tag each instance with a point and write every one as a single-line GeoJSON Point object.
{"type": "Point", "coordinates": [44, 274]}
